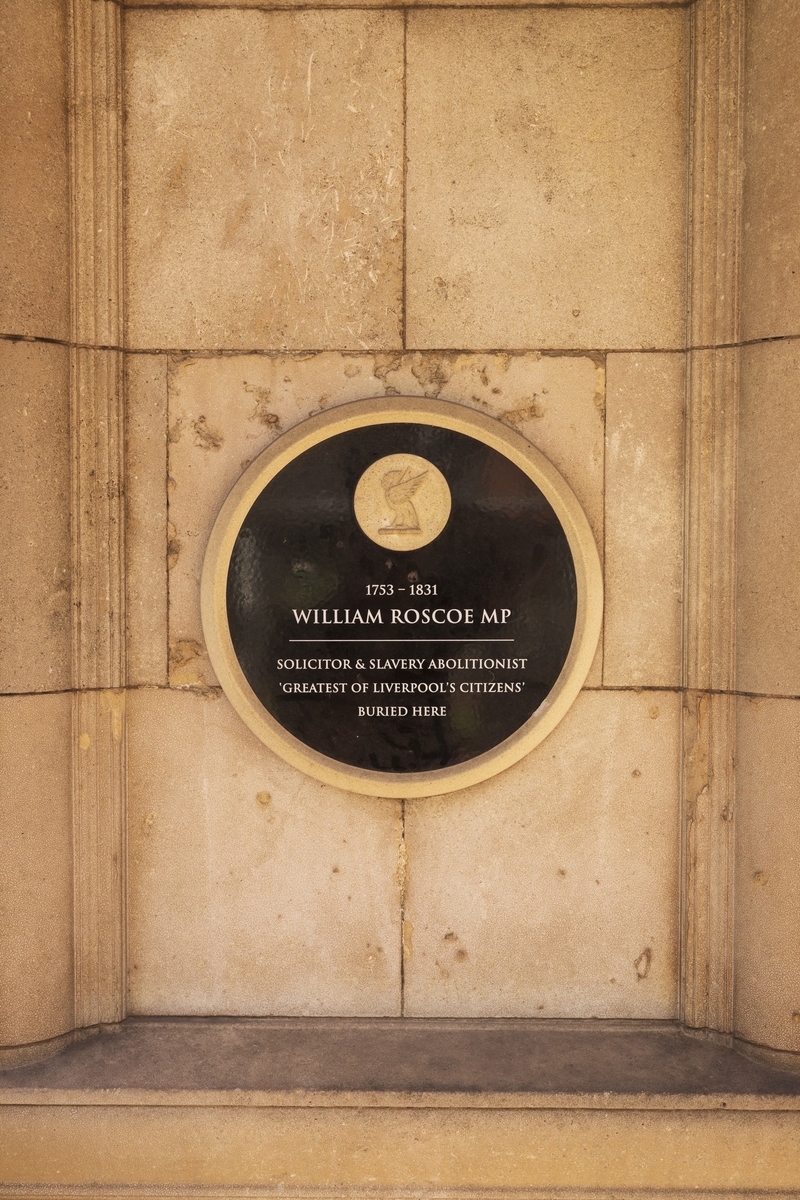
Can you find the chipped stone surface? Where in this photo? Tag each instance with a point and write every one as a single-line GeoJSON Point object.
{"type": "Point", "coordinates": [264, 170]}
{"type": "Point", "coordinates": [551, 890]}
{"type": "Point", "coordinates": [224, 411]}
{"type": "Point", "coordinates": [546, 184]}
{"type": "Point", "coordinates": [768, 631]}
{"type": "Point", "coordinates": [771, 229]}
{"type": "Point", "coordinates": [289, 4]}
{"type": "Point", "coordinates": [767, 967]}
{"type": "Point", "coordinates": [34, 184]}
{"type": "Point", "coordinates": [36, 870]}
{"type": "Point", "coordinates": [35, 628]}
{"type": "Point", "coordinates": [146, 518]}
{"type": "Point", "coordinates": [644, 520]}
{"type": "Point", "coordinates": [254, 890]}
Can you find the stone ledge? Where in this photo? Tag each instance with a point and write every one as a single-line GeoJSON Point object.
{"type": "Point", "coordinates": [334, 1107]}
{"type": "Point", "coordinates": [414, 4]}
{"type": "Point", "coordinates": [637, 1102]}
{"type": "Point", "coordinates": [233, 1192]}
{"type": "Point", "coordinates": [393, 1062]}
{"type": "Point", "coordinates": [391, 1054]}
{"type": "Point", "coordinates": [280, 1192]}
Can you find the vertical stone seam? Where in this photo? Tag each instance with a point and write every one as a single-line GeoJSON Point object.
{"type": "Point", "coordinates": [404, 311]}
{"type": "Point", "coordinates": [402, 875]}
{"type": "Point", "coordinates": [172, 544]}
{"type": "Point", "coordinates": [165, 543]}
{"type": "Point", "coordinates": [98, 543]}
{"type": "Point", "coordinates": [708, 727]}
{"type": "Point", "coordinates": [602, 642]}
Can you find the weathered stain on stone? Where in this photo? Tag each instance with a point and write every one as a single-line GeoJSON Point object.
{"type": "Point", "coordinates": [173, 546]}
{"type": "Point", "coordinates": [384, 364]}
{"type": "Point", "coordinates": [205, 437]}
{"type": "Point", "coordinates": [432, 371]}
{"type": "Point", "coordinates": [262, 411]}
{"type": "Point", "coordinates": [176, 429]}
{"type": "Point", "coordinates": [408, 935]}
{"type": "Point", "coordinates": [112, 702]}
{"type": "Point", "coordinates": [529, 410]}
{"type": "Point", "coordinates": [182, 656]}
{"type": "Point", "coordinates": [643, 962]}
{"type": "Point", "coordinates": [401, 873]}
{"type": "Point", "coordinates": [600, 389]}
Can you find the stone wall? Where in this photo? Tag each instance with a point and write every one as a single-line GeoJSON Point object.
{"type": "Point", "coordinates": [768, 646]}
{"type": "Point", "coordinates": [36, 925]}
{"type": "Point", "coordinates": [530, 210]}
{"type": "Point", "coordinates": [482, 206]}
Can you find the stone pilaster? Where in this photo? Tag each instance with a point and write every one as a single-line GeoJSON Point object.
{"type": "Point", "coordinates": [710, 512]}
{"type": "Point", "coordinates": [97, 420]}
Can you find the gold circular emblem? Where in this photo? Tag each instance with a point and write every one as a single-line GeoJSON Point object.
{"type": "Point", "coordinates": [402, 502]}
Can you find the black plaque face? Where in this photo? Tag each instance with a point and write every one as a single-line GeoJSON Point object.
{"type": "Point", "coordinates": [391, 660]}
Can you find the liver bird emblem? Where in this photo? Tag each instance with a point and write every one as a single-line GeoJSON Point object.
{"type": "Point", "coordinates": [398, 488]}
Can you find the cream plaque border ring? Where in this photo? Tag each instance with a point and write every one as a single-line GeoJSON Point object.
{"type": "Point", "coordinates": [401, 410]}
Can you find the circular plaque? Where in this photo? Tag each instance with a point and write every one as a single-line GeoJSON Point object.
{"type": "Point", "coordinates": [401, 597]}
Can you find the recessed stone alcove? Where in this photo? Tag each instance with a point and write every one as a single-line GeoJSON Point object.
{"type": "Point", "coordinates": [579, 219]}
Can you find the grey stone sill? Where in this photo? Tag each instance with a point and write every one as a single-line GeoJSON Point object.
{"type": "Point", "coordinates": [408, 1063]}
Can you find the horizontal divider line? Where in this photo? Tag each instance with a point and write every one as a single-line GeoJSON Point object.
{"type": "Point", "coordinates": [49, 341]}
{"type": "Point", "coordinates": [294, 352]}
{"type": "Point", "coordinates": [410, 641]}
{"type": "Point", "coordinates": [530, 6]}
{"type": "Point", "coordinates": [547, 352]}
